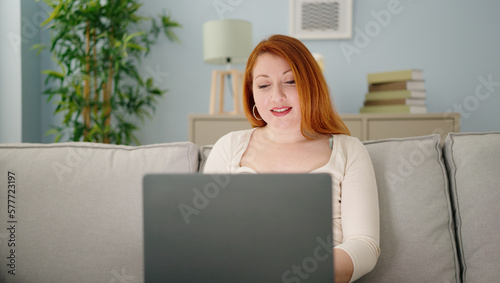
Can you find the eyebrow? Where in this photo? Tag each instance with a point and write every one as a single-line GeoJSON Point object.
{"type": "Point", "coordinates": [267, 76]}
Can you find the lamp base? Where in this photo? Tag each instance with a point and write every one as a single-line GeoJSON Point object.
{"type": "Point", "coordinates": [237, 83]}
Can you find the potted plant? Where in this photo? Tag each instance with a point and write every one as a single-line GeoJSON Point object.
{"type": "Point", "coordinates": [98, 44]}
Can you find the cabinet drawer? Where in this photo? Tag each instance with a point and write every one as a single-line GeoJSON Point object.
{"type": "Point", "coordinates": [355, 127]}
{"type": "Point", "coordinates": [206, 132]}
{"type": "Point", "coordinates": [380, 129]}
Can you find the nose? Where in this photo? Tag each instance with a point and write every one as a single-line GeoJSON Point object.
{"type": "Point", "coordinates": [278, 93]}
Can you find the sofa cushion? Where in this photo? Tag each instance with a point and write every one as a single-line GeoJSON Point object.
{"type": "Point", "coordinates": [75, 209]}
{"type": "Point", "coordinates": [473, 161]}
{"type": "Point", "coordinates": [204, 152]}
{"type": "Point", "coordinates": [416, 226]}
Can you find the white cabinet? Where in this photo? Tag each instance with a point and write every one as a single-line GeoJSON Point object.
{"type": "Point", "coordinates": [207, 129]}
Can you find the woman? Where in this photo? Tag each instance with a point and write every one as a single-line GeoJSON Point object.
{"type": "Point", "coordinates": [296, 130]}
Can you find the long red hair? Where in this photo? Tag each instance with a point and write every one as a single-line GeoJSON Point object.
{"type": "Point", "coordinates": [318, 113]}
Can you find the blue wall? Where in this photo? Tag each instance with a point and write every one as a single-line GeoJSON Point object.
{"type": "Point", "coordinates": [455, 43]}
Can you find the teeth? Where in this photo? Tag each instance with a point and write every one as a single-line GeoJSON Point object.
{"type": "Point", "coordinates": [281, 110]}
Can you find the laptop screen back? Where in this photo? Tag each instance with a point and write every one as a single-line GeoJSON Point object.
{"type": "Point", "coordinates": [238, 228]}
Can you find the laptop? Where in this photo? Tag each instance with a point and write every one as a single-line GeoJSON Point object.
{"type": "Point", "coordinates": [238, 228]}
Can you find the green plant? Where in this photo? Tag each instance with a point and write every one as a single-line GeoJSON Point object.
{"type": "Point", "coordinates": [98, 45]}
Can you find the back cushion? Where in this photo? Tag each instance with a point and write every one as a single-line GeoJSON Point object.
{"type": "Point", "coordinates": [72, 212]}
{"type": "Point", "coordinates": [416, 227]}
{"type": "Point", "coordinates": [204, 153]}
{"type": "Point", "coordinates": [473, 160]}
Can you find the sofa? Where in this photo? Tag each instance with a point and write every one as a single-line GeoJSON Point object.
{"type": "Point", "coordinates": [72, 212]}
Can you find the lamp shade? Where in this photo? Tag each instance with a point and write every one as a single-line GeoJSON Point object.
{"type": "Point", "coordinates": [227, 41]}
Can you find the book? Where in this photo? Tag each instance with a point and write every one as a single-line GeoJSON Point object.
{"type": "Point", "coordinates": [394, 94]}
{"type": "Point", "coordinates": [401, 101]}
{"type": "Point", "coordinates": [394, 76]}
{"type": "Point", "coordinates": [394, 109]}
{"type": "Point", "coordinates": [400, 85]}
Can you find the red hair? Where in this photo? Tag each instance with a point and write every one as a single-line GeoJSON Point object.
{"type": "Point", "coordinates": [318, 116]}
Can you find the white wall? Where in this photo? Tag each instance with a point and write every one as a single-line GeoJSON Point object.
{"type": "Point", "coordinates": [10, 70]}
{"type": "Point", "coordinates": [20, 68]}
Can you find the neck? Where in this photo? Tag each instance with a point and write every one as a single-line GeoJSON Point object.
{"type": "Point", "coordinates": [283, 136]}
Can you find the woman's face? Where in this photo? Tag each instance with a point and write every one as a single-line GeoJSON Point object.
{"type": "Point", "coordinates": [275, 92]}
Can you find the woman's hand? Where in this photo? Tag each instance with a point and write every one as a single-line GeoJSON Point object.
{"type": "Point", "coordinates": [342, 266]}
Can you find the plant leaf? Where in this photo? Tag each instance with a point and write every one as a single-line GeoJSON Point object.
{"type": "Point", "coordinates": [53, 14]}
{"type": "Point", "coordinates": [38, 47]}
{"type": "Point", "coordinates": [53, 73]}
{"type": "Point", "coordinates": [136, 46]}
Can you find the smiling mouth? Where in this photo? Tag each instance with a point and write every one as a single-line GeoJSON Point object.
{"type": "Point", "coordinates": [281, 109]}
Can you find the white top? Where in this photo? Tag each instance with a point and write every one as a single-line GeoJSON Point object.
{"type": "Point", "coordinates": [355, 198]}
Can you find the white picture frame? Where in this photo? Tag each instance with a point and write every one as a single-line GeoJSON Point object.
{"type": "Point", "coordinates": [321, 19]}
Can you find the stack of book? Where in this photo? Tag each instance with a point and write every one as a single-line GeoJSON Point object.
{"type": "Point", "coordinates": [400, 91]}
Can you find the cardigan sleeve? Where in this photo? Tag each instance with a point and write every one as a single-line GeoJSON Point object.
{"type": "Point", "coordinates": [220, 157]}
{"type": "Point", "coordinates": [360, 211]}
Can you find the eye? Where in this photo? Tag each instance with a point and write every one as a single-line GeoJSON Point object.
{"type": "Point", "coordinates": [290, 82]}
{"type": "Point", "coordinates": [262, 86]}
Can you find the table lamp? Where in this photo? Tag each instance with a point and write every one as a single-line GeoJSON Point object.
{"type": "Point", "coordinates": [226, 42]}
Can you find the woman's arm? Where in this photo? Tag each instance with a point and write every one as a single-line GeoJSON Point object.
{"type": "Point", "coordinates": [360, 212]}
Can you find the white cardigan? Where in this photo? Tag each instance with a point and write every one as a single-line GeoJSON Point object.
{"type": "Point", "coordinates": [355, 198]}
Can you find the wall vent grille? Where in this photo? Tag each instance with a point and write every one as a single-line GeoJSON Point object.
{"type": "Point", "coordinates": [321, 19]}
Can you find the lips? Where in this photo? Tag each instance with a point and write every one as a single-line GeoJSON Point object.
{"type": "Point", "coordinates": [281, 111]}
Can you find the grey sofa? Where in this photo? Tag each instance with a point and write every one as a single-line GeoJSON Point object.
{"type": "Point", "coordinates": [72, 212]}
